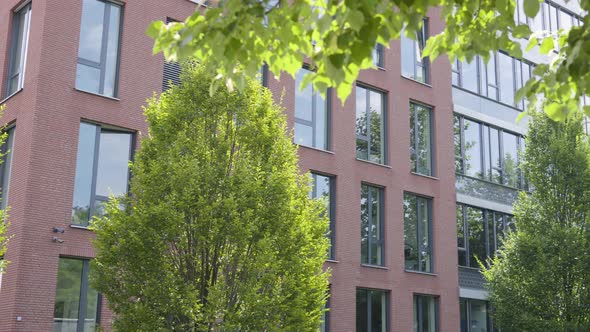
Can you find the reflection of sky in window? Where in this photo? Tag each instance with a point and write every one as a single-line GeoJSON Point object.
{"type": "Point", "coordinates": [84, 163]}
{"type": "Point", "coordinates": [91, 30]}
{"type": "Point", "coordinates": [361, 109]}
{"type": "Point", "coordinates": [303, 99]}
{"type": "Point", "coordinates": [112, 50]}
{"type": "Point", "coordinates": [113, 159]}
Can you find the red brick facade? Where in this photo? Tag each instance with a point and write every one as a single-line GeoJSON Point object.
{"type": "Point", "coordinates": [48, 111]}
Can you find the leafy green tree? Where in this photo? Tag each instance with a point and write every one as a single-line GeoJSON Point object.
{"type": "Point", "coordinates": [540, 281]}
{"type": "Point", "coordinates": [338, 37]}
{"type": "Point", "coordinates": [3, 223]}
{"type": "Point", "coordinates": [218, 233]}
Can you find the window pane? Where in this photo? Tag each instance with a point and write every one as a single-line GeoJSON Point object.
{"type": "Point", "coordinates": [407, 55]}
{"type": "Point", "coordinates": [113, 164]}
{"type": "Point", "coordinates": [112, 51]}
{"type": "Point", "coordinates": [410, 232]}
{"type": "Point", "coordinates": [375, 226]}
{"type": "Point", "coordinates": [457, 143]}
{"type": "Point", "coordinates": [510, 145]}
{"type": "Point", "coordinates": [91, 30]}
{"type": "Point", "coordinates": [84, 173]}
{"type": "Point", "coordinates": [303, 98]}
{"type": "Point", "coordinates": [67, 296]}
{"type": "Point", "coordinates": [463, 310]}
{"type": "Point", "coordinates": [376, 119]}
{"type": "Point", "coordinates": [478, 321]}
{"type": "Point", "coordinates": [565, 20]}
{"type": "Point", "coordinates": [472, 147]}
{"type": "Point", "coordinates": [364, 224]}
{"type": "Point", "coordinates": [88, 78]}
{"type": "Point", "coordinates": [361, 112]}
{"type": "Point", "coordinates": [5, 167]}
{"type": "Point", "coordinates": [362, 310]}
{"type": "Point", "coordinates": [378, 311]}
{"type": "Point", "coordinates": [461, 245]}
{"type": "Point", "coordinates": [322, 192]}
{"type": "Point", "coordinates": [321, 122]}
{"type": "Point", "coordinates": [469, 76]}
{"type": "Point", "coordinates": [18, 48]}
{"type": "Point", "coordinates": [428, 313]}
{"type": "Point", "coordinates": [496, 162]}
{"type": "Point", "coordinates": [90, 323]}
{"type": "Point", "coordinates": [420, 138]}
{"type": "Point", "coordinates": [424, 231]}
{"type": "Point", "coordinates": [303, 134]}
{"type": "Point", "coordinates": [477, 241]}
{"type": "Point", "coordinates": [506, 79]}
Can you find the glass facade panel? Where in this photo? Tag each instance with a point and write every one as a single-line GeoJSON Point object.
{"type": "Point", "coordinates": [425, 313]}
{"type": "Point", "coordinates": [370, 129]}
{"type": "Point", "coordinates": [421, 154]}
{"type": "Point", "coordinates": [417, 229]}
{"type": "Point", "coordinates": [412, 63]}
{"type": "Point", "coordinates": [76, 303]}
{"type": "Point", "coordinates": [371, 225]}
{"type": "Point", "coordinates": [102, 170]}
{"type": "Point", "coordinates": [371, 310]}
{"type": "Point", "coordinates": [322, 190]}
{"type": "Point", "coordinates": [472, 147]}
{"type": "Point", "coordinates": [474, 316]}
{"type": "Point", "coordinates": [98, 51]}
{"type": "Point", "coordinates": [311, 115]}
{"type": "Point", "coordinates": [17, 56]}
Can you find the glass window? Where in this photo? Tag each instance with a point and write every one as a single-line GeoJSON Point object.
{"type": "Point", "coordinates": [101, 169]}
{"type": "Point", "coordinates": [370, 125]}
{"type": "Point", "coordinates": [417, 233]}
{"type": "Point", "coordinates": [311, 115]}
{"type": "Point", "coordinates": [5, 164]}
{"type": "Point", "coordinates": [474, 316]}
{"type": "Point", "coordinates": [371, 225]}
{"type": "Point", "coordinates": [421, 154]}
{"type": "Point", "coordinates": [325, 320]}
{"type": "Point", "coordinates": [480, 233]}
{"type": "Point", "coordinates": [322, 190]}
{"type": "Point", "coordinates": [425, 313]}
{"type": "Point", "coordinates": [506, 71]}
{"type": "Point", "coordinates": [371, 310]}
{"type": "Point", "coordinates": [76, 303]}
{"type": "Point", "coordinates": [98, 52]}
{"type": "Point", "coordinates": [469, 77]}
{"type": "Point", "coordinates": [482, 151]}
{"type": "Point", "coordinates": [19, 42]}
{"type": "Point", "coordinates": [378, 59]}
{"type": "Point", "coordinates": [414, 65]}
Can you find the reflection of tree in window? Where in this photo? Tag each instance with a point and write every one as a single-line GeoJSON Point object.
{"type": "Point", "coordinates": [369, 125]}
{"type": "Point", "coordinates": [477, 242]}
{"type": "Point", "coordinates": [417, 249]}
{"type": "Point", "coordinates": [420, 139]}
{"type": "Point", "coordinates": [371, 226]}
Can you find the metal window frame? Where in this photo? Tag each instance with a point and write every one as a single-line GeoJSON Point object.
{"type": "Point", "coordinates": [331, 210]}
{"type": "Point", "coordinates": [368, 292]}
{"type": "Point", "coordinates": [313, 123]}
{"type": "Point", "coordinates": [381, 220]}
{"type": "Point", "coordinates": [378, 56]}
{"type": "Point", "coordinates": [384, 118]}
{"type": "Point", "coordinates": [419, 314]}
{"type": "Point", "coordinates": [83, 301]}
{"type": "Point", "coordinates": [93, 196]}
{"type": "Point", "coordinates": [424, 64]}
{"type": "Point", "coordinates": [23, 12]}
{"type": "Point", "coordinates": [431, 141]}
{"type": "Point", "coordinates": [101, 65]}
{"type": "Point", "coordinates": [429, 217]}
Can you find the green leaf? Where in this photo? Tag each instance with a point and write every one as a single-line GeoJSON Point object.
{"type": "Point", "coordinates": [531, 7]}
{"type": "Point", "coordinates": [153, 30]}
{"type": "Point", "coordinates": [520, 116]}
{"type": "Point", "coordinates": [547, 45]}
{"type": "Point", "coordinates": [586, 110]}
{"type": "Point", "coordinates": [533, 41]}
{"type": "Point", "coordinates": [556, 112]}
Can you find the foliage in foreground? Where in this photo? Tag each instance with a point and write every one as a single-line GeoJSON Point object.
{"type": "Point", "coordinates": [541, 281]}
{"type": "Point", "coordinates": [3, 223]}
{"type": "Point", "coordinates": [218, 233]}
{"type": "Point", "coordinates": [338, 36]}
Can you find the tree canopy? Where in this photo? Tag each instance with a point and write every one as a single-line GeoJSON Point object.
{"type": "Point", "coordinates": [540, 279]}
{"type": "Point", "coordinates": [338, 36]}
{"type": "Point", "coordinates": [219, 232]}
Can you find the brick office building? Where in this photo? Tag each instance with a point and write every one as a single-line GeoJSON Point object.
{"type": "Point", "coordinates": [418, 164]}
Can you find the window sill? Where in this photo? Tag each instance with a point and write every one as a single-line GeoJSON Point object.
{"type": "Point", "coordinates": [315, 149]}
{"type": "Point", "coordinates": [380, 68]}
{"type": "Point", "coordinates": [373, 163]}
{"type": "Point", "coordinates": [416, 81]}
{"type": "Point", "coordinates": [12, 95]}
{"type": "Point", "coordinates": [80, 227]}
{"type": "Point", "coordinates": [332, 261]}
{"type": "Point", "coordinates": [97, 94]}
{"type": "Point", "coordinates": [425, 176]}
{"type": "Point", "coordinates": [421, 272]}
{"type": "Point", "coordinates": [379, 267]}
